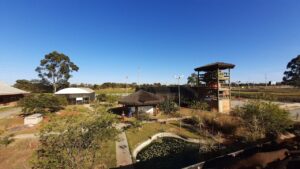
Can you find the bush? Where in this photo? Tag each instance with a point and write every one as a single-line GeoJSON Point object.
{"type": "Point", "coordinates": [6, 140]}
{"type": "Point", "coordinates": [194, 121]}
{"type": "Point", "coordinates": [42, 103]}
{"type": "Point", "coordinates": [143, 116]}
{"type": "Point", "coordinates": [102, 97]}
{"type": "Point", "coordinates": [75, 141]}
{"type": "Point", "coordinates": [268, 118]}
{"type": "Point", "coordinates": [168, 106]}
{"type": "Point", "coordinates": [199, 105]}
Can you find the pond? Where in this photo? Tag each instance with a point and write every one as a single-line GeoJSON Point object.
{"type": "Point", "coordinates": [168, 152]}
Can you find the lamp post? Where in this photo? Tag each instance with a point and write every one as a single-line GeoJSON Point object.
{"type": "Point", "coordinates": [178, 77]}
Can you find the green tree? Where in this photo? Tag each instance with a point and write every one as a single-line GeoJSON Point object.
{"type": "Point", "coordinates": [34, 86]}
{"type": "Point", "coordinates": [56, 69]}
{"type": "Point", "coordinates": [266, 118]}
{"type": "Point", "coordinates": [41, 103]}
{"type": "Point", "coordinates": [75, 141]}
{"type": "Point", "coordinates": [192, 79]}
{"type": "Point", "coordinates": [168, 106]}
{"type": "Point", "coordinates": [292, 75]}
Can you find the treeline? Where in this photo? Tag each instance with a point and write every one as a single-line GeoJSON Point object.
{"type": "Point", "coordinates": [39, 86]}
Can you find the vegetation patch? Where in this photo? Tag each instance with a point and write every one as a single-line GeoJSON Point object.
{"type": "Point", "coordinates": [164, 147]}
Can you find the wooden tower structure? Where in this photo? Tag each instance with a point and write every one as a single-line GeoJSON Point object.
{"type": "Point", "coordinates": [214, 86]}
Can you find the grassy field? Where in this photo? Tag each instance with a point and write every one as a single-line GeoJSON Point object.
{"type": "Point", "coordinates": [17, 155]}
{"type": "Point", "coordinates": [273, 94]}
{"type": "Point", "coordinates": [137, 136]}
{"type": "Point", "coordinates": [115, 91]}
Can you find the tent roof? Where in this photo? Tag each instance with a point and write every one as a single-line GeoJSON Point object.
{"type": "Point", "coordinates": [9, 90]}
{"type": "Point", "coordinates": [73, 90]}
{"type": "Point", "coordinates": [141, 98]}
{"type": "Point", "coordinates": [214, 66]}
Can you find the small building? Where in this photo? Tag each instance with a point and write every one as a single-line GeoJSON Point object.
{"type": "Point", "coordinates": [33, 119]}
{"type": "Point", "coordinates": [214, 85]}
{"type": "Point", "coordinates": [77, 95]}
{"type": "Point", "coordinates": [141, 101]}
{"type": "Point", "coordinates": [9, 94]}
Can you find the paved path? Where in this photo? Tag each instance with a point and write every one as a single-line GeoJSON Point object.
{"type": "Point", "coordinates": [10, 112]}
{"type": "Point", "coordinates": [26, 136]}
{"type": "Point", "coordinates": [122, 149]}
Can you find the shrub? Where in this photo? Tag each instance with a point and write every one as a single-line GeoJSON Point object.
{"type": "Point", "coordinates": [6, 140]}
{"type": "Point", "coordinates": [194, 121]}
{"type": "Point", "coordinates": [75, 141]}
{"type": "Point", "coordinates": [42, 103]}
{"type": "Point", "coordinates": [168, 106]}
{"type": "Point", "coordinates": [267, 117]}
{"type": "Point", "coordinates": [102, 97]}
{"type": "Point", "coordinates": [143, 116]}
{"type": "Point", "coordinates": [199, 105]}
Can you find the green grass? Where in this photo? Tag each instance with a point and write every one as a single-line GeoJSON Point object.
{"type": "Point", "coordinates": [115, 91]}
{"type": "Point", "coordinates": [18, 154]}
{"type": "Point", "coordinates": [272, 94]}
{"type": "Point", "coordinates": [2, 109]}
{"type": "Point", "coordinates": [108, 154]}
{"type": "Point", "coordinates": [136, 136]}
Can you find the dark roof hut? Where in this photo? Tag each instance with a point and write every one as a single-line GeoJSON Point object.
{"type": "Point", "coordinates": [214, 66]}
{"type": "Point", "coordinates": [141, 98]}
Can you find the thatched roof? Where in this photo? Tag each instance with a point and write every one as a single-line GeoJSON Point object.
{"type": "Point", "coordinates": [214, 66]}
{"type": "Point", "coordinates": [141, 98]}
{"type": "Point", "coordinates": [6, 90]}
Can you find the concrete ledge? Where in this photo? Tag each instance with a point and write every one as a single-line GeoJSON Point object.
{"type": "Point", "coordinates": [160, 135]}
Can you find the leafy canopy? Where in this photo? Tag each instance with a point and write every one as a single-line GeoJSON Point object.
{"type": "Point", "coordinates": [269, 118]}
{"type": "Point", "coordinates": [56, 69]}
{"type": "Point", "coordinates": [292, 75]}
{"type": "Point", "coordinates": [192, 79]}
{"type": "Point", "coordinates": [75, 141]}
{"type": "Point", "coordinates": [41, 103]}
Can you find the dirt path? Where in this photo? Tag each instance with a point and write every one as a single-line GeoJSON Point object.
{"type": "Point", "coordinates": [122, 149]}
{"type": "Point", "coordinates": [26, 136]}
{"type": "Point", "coordinates": [10, 112]}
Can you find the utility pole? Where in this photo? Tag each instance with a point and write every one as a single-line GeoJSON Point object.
{"type": "Point", "coordinates": [178, 77]}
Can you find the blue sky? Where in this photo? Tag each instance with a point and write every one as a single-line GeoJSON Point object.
{"type": "Point", "coordinates": [112, 39]}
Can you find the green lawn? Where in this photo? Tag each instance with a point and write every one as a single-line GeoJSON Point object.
{"type": "Point", "coordinates": [137, 136]}
{"type": "Point", "coordinates": [273, 94]}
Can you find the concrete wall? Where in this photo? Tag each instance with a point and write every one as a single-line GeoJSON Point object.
{"type": "Point", "coordinates": [159, 135]}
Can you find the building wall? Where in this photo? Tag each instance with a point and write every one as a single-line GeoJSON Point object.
{"type": "Point", "coordinates": [7, 99]}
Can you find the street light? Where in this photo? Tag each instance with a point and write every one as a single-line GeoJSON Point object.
{"type": "Point", "coordinates": [178, 77]}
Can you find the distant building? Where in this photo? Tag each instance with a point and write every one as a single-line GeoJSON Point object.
{"type": "Point", "coordinates": [9, 94]}
{"type": "Point", "coordinates": [77, 95]}
{"type": "Point", "coordinates": [272, 83]}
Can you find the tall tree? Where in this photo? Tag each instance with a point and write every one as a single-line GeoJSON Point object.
{"type": "Point", "coordinates": [292, 75]}
{"type": "Point", "coordinates": [56, 69]}
{"type": "Point", "coordinates": [192, 79]}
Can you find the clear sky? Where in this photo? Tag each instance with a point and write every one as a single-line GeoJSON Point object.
{"type": "Point", "coordinates": [150, 39]}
